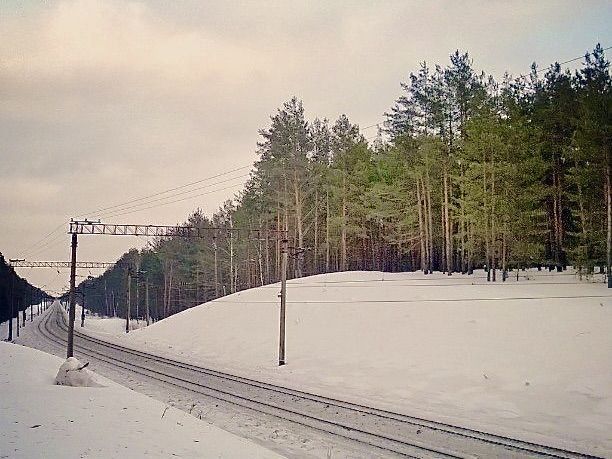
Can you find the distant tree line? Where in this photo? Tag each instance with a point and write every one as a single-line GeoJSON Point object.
{"type": "Point", "coordinates": [16, 295]}
{"type": "Point", "coordinates": [475, 173]}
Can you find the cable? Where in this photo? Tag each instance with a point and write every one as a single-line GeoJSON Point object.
{"type": "Point", "coordinates": [566, 62]}
{"type": "Point", "coordinates": [429, 300]}
{"type": "Point", "coordinates": [53, 242]}
{"type": "Point", "coordinates": [29, 248]}
{"type": "Point", "coordinates": [163, 192]}
{"type": "Point", "coordinates": [104, 214]}
{"type": "Point", "coordinates": [41, 242]}
{"type": "Point", "coordinates": [172, 202]}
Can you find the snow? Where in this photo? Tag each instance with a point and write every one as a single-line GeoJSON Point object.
{"type": "Point", "coordinates": [110, 325]}
{"type": "Point", "coordinates": [529, 358]}
{"type": "Point", "coordinates": [110, 421]}
{"type": "Point", "coordinates": [74, 373]}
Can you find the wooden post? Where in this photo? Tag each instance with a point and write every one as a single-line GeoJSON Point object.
{"type": "Point", "coordinates": [72, 299]}
{"type": "Point", "coordinates": [283, 305]}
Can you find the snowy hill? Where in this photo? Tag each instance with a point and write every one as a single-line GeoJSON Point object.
{"type": "Point", "coordinates": [530, 358]}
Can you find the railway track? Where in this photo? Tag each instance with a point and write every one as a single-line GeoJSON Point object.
{"type": "Point", "coordinates": [386, 431]}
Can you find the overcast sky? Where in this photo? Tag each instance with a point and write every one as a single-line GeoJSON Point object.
{"type": "Point", "coordinates": [104, 101]}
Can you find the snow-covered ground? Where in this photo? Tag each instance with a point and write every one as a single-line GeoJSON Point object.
{"type": "Point", "coordinates": [531, 359]}
{"type": "Point", "coordinates": [41, 419]}
{"type": "Point", "coordinates": [112, 325]}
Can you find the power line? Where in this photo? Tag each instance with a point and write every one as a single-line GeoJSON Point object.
{"type": "Point", "coordinates": [172, 202]}
{"type": "Point", "coordinates": [164, 191]}
{"type": "Point", "coordinates": [414, 300]}
{"type": "Point", "coordinates": [26, 250]}
{"type": "Point", "coordinates": [53, 242]}
{"type": "Point", "coordinates": [119, 209]}
{"type": "Point", "coordinates": [567, 62]}
{"type": "Point", "coordinates": [43, 242]}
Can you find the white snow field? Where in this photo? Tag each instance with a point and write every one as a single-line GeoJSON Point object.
{"type": "Point", "coordinates": [41, 419]}
{"type": "Point", "coordinates": [530, 359]}
{"type": "Point", "coordinates": [112, 325]}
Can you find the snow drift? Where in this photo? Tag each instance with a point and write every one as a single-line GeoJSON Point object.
{"type": "Point", "coordinates": [73, 373]}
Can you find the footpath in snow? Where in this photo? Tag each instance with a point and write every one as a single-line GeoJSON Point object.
{"type": "Point", "coordinates": [41, 419]}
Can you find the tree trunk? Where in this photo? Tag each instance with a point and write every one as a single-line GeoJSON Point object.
{"type": "Point", "coordinates": [609, 214]}
{"type": "Point", "coordinates": [493, 222]}
{"type": "Point", "coordinates": [449, 241]}
{"type": "Point", "coordinates": [278, 240]}
{"type": "Point", "coordinates": [316, 233]}
{"type": "Point", "coordinates": [421, 229]}
{"type": "Point", "coordinates": [462, 225]}
{"type": "Point", "coordinates": [327, 248]}
{"type": "Point", "coordinates": [147, 312]}
{"type": "Point", "coordinates": [268, 255]}
{"type": "Point", "coordinates": [231, 247]}
{"type": "Point", "coordinates": [298, 226]}
{"type": "Point", "coordinates": [430, 225]}
{"type": "Point", "coordinates": [343, 249]}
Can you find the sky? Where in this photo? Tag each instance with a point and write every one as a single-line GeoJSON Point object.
{"type": "Point", "coordinates": [103, 102]}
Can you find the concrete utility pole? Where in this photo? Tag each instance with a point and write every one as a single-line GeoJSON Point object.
{"type": "Point", "coordinates": [283, 304]}
{"type": "Point", "coordinates": [72, 297]}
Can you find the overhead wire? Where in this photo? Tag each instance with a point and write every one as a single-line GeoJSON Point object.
{"type": "Point", "coordinates": [134, 206]}
{"type": "Point", "coordinates": [45, 237]}
{"type": "Point", "coordinates": [421, 300]}
{"type": "Point", "coordinates": [566, 62]}
{"type": "Point", "coordinates": [43, 243]}
{"type": "Point", "coordinates": [164, 191]}
{"type": "Point", "coordinates": [173, 202]}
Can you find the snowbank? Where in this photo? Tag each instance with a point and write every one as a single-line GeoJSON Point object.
{"type": "Point", "coordinates": [529, 358]}
{"type": "Point", "coordinates": [41, 419]}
